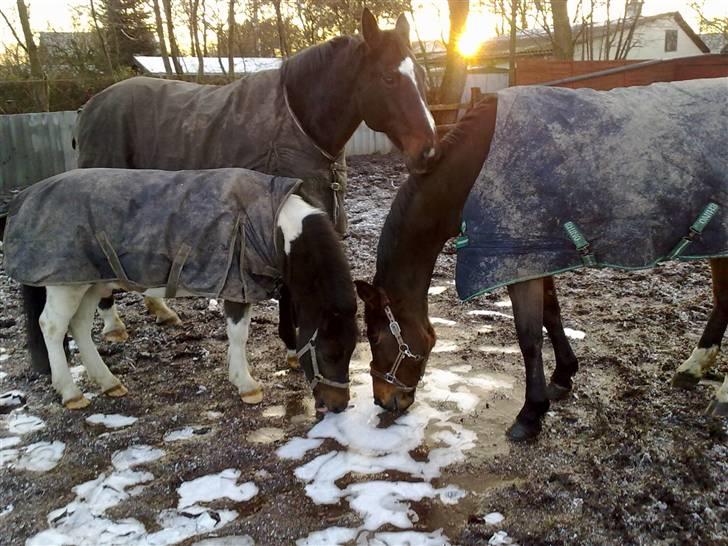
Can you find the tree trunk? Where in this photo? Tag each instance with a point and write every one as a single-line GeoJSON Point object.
{"type": "Point", "coordinates": [40, 86]}
{"type": "Point", "coordinates": [562, 38]}
{"type": "Point", "coordinates": [160, 35]}
{"type": "Point", "coordinates": [194, 30]}
{"type": "Point", "coordinates": [453, 80]}
{"type": "Point", "coordinates": [281, 29]}
{"type": "Point", "coordinates": [231, 37]}
{"type": "Point", "coordinates": [512, 44]}
{"type": "Point", "coordinates": [173, 49]}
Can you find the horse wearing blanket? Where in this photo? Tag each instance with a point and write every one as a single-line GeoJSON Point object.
{"type": "Point", "coordinates": [561, 179]}
{"type": "Point", "coordinates": [225, 233]}
{"type": "Point", "coordinates": [293, 121]}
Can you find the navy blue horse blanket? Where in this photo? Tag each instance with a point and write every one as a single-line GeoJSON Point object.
{"type": "Point", "coordinates": [625, 179]}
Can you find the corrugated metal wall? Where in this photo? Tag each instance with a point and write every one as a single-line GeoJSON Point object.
{"type": "Point", "coordinates": [36, 146]}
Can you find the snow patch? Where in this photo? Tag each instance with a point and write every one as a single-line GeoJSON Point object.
{"type": "Point", "coordinates": [435, 290]}
{"type": "Point", "coordinates": [297, 448]}
{"type": "Point", "coordinates": [266, 435]}
{"type": "Point", "coordinates": [445, 346]}
{"type": "Point", "coordinates": [12, 399]}
{"type": "Point", "coordinates": [113, 420]}
{"type": "Point", "coordinates": [274, 411]}
{"type": "Point", "coordinates": [22, 423]}
{"type": "Point", "coordinates": [215, 486]}
{"type": "Point", "coordinates": [244, 540]}
{"type": "Point", "coordinates": [40, 457]}
{"type": "Point", "coordinates": [442, 321]}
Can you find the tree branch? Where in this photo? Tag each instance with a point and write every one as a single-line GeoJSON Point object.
{"type": "Point", "coordinates": [15, 34]}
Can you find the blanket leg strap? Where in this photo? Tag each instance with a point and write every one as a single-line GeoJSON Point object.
{"type": "Point", "coordinates": [582, 245]}
{"type": "Point", "coordinates": [176, 270]}
{"type": "Point", "coordinates": [114, 261]}
{"type": "Point", "coordinates": [705, 216]}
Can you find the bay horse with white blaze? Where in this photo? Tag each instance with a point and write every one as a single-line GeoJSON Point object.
{"type": "Point", "coordinates": [425, 214]}
{"type": "Point", "coordinates": [293, 121]}
{"type": "Point", "coordinates": [228, 233]}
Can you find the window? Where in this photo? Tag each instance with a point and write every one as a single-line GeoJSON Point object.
{"type": "Point", "coordinates": [671, 40]}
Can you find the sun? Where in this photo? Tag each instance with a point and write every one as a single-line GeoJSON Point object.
{"type": "Point", "coordinates": [473, 36]}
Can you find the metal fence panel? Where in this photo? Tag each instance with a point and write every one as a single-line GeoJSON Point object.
{"type": "Point", "coordinates": [36, 146]}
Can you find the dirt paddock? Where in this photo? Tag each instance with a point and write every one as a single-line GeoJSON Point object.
{"type": "Point", "coordinates": [625, 460]}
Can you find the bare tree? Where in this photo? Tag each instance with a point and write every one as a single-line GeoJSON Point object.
{"type": "Point", "coordinates": [160, 35]}
{"type": "Point", "coordinates": [100, 36]}
{"type": "Point", "coordinates": [40, 83]}
{"type": "Point", "coordinates": [713, 25]}
{"type": "Point", "coordinates": [193, 16]}
{"type": "Point", "coordinates": [173, 49]}
{"type": "Point", "coordinates": [231, 37]}
{"type": "Point", "coordinates": [453, 80]}
{"type": "Point", "coordinates": [281, 29]}
{"type": "Point", "coordinates": [562, 38]}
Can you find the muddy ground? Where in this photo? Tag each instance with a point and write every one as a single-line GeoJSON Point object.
{"type": "Point", "coordinates": [626, 460]}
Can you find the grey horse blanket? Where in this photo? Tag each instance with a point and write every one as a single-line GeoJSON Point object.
{"type": "Point", "coordinates": [575, 177]}
{"type": "Point", "coordinates": [150, 123]}
{"type": "Point", "coordinates": [209, 233]}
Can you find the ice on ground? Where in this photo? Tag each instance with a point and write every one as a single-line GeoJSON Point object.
{"type": "Point", "coordinates": [494, 518]}
{"type": "Point", "coordinates": [11, 399]}
{"type": "Point", "coordinates": [4, 357]}
{"type": "Point", "coordinates": [40, 457]}
{"type": "Point", "coordinates": [503, 303]}
{"type": "Point", "coordinates": [215, 486]}
{"type": "Point", "coordinates": [10, 441]}
{"type": "Point", "coordinates": [297, 448]}
{"type": "Point", "coordinates": [5, 511]}
{"type": "Point", "coordinates": [112, 420]}
{"type": "Point", "coordinates": [266, 435]}
{"type": "Point", "coordinates": [213, 305]}
{"type": "Point", "coordinates": [501, 538]}
{"type": "Point", "coordinates": [488, 313]}
{"type": "Point", "coordinates": [333, 536]}
{"type": "Point", "coordinates": [19, 422]}
{"type": "Point", "coordinates": [274, 411]}
{"type": "Point", "coordinates": [135, 456]}
{"type": "Point", "coordinates": [435, 290]}
{"type": "Point", "coordinates": [500, 349]}
{"type": "Point", "coordinates": [445, 346]}
{"type": "Point", "coordinates": [244, 540]}
{"type": "Point", "coordinates": [442, 321]}
{"type": "Point", "coordinates": [185, 433]}
{"type": "Point", "coordinates": [574, 334]}
{"type": "Point", "coordinates": [3, 375]}
{"type": "Point", "coordinates": [341, 536]}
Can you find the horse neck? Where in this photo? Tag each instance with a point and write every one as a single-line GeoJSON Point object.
{"type": "Point", "coordinates": [321, 82]}
{"type": "Point", "coordinates": [317, 273]}
{"type": "Point", "coordinates": [427, 212]}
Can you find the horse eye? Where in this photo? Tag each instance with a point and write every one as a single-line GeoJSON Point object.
{"type": "Point", "coordinates": [389, 78]}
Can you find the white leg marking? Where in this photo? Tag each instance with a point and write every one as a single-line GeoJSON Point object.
{"type": "Point", "coordinates": [237, 357]}
{"type": "Point", "coordinates": [722, 394]}
{"type": "Point", "coordinates": [407, 68]}
{"type": "Point", "coordinates": [112, 322]}
{"type": "Point", "coordinates": [81, 324]}
{"type": "Point", "coordinates": [700, 361]}
{"type": "Point", "coordinates": [290, 219]}
{"type": "Point", "coordinates": [163, 313]}
{"type": "Point", "coordinates": [61, 305]}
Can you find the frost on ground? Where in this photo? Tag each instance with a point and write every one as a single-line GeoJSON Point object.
{"type": "Point", "coordinates": [368, 450]}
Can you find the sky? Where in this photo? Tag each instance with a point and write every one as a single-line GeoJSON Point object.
{"type": "Point", "coordinates": [431, 18]}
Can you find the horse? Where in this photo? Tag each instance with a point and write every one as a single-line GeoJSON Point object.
{"type": "Point", "coordinates": [231, 233]}
{"type": "Point", "coordinates": [425, 214]}
{"type": "Point", "coordinates": [292, 121]}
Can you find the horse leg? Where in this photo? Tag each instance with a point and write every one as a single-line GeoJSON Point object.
{"type": "Point", "coordinates": [114, 328]}
{"type": "Point", "coordinates": [566, 362]}
{"type": "Point", "coordinates": [62, 303]}
{"type": "Point", "coordinates": [287, 327]}
{"type": "Point", "coordinates": [81, 324]}
{"type": "Point", "coordinates": [718, 407]}
{"type": "Point", "coordinates": [237, 316]}
{"type": "Point", "coordinates": [705, 354]}
{"type": "Point", "coordinates": [528, 305]}
{"type": "Point", "coordinates": [165, 316]}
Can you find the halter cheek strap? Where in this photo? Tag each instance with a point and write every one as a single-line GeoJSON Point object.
{"type": "Point", "coordinates": [404, 352]}
{"type": "Point", "coordinates": [317, 377]}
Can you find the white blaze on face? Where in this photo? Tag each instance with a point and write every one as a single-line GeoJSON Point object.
{"type": "Point", "coordinates": [291, 217]}
{"type": "Point", "coordinates": [407, 69]}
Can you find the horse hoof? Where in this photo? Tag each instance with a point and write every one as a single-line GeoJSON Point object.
{"type": "Point", "coordinates": [684, 380]}
{"type": "Point", "coordinates": [171, 320]}
{"type": "Point", "coordinates": [293, 362]}
{"type": "Point", "coordinates": [116, 336]}
{"type": "Point", "coordinates": [557, 392]}
{"type": "Point", "coordinates": [117, 392]}
{"type": "Point", "coordinates": [522, 432]}
{"type": "Point", "coordinates": [252, 397]}
{"type": "Point", "coordinates": [717, 409]}
{"type": "Point", "coordinates": [77, 403]}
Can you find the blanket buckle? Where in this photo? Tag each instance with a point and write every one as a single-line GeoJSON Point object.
{"type": "Point", "coordinates": [582, 245]}
{"type": "Point", "coordinates": [695, 230]}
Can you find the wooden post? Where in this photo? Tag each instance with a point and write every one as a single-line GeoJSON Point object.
{"type": "Point", "coordinates": [475, 95]}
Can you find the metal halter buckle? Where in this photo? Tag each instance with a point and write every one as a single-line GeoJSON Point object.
{"type": "Point", "coordinates": [317, 377]}
{"type": "Point", "coordinates": [404, 351]}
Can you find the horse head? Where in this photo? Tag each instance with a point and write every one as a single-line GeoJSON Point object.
{"type": "Point", "coordinates": [401, 340]}
{"type": "Point", "coordinates": [391, 95]}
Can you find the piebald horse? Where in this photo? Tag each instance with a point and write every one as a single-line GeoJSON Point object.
{"type": "Point", "coordinates": [425, 214]}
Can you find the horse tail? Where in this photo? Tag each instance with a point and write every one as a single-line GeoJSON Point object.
{"type": "Point", "coordinates": [34, 300]}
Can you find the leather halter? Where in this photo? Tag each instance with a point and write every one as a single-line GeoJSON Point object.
{"type": "Point", "coordinates": [404, 352]}
{"type": "Point", "coordinates": [317, 377]}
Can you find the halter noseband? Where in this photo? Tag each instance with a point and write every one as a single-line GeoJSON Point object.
{"type": "Point", "coordinates": [404, 351]}
{"type": "Point", "coordinates": [317, 377]}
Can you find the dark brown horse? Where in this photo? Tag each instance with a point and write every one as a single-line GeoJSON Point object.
{"type": "Point", "coordinates": [294, 121]}
{"type": "Point", "coordinates": [425, 214]}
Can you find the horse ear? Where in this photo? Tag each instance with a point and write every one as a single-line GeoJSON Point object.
{"type": "Point", "coordinates": [368, 294]}
{"type": "Point", "coordinates": [370, 28]}
{"type": "Point", "coordinates": [402, 28]}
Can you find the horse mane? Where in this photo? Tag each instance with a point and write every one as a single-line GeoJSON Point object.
{"type": "Point", "coordinates": [399, 214]}
{"type": "Point", "coordinates": [297, 69]}
{"type": "Point", "coordinates": [321, 266]}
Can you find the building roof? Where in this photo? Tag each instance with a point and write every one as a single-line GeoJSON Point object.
{"type": "Point", "coordinates": [211, 65]}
